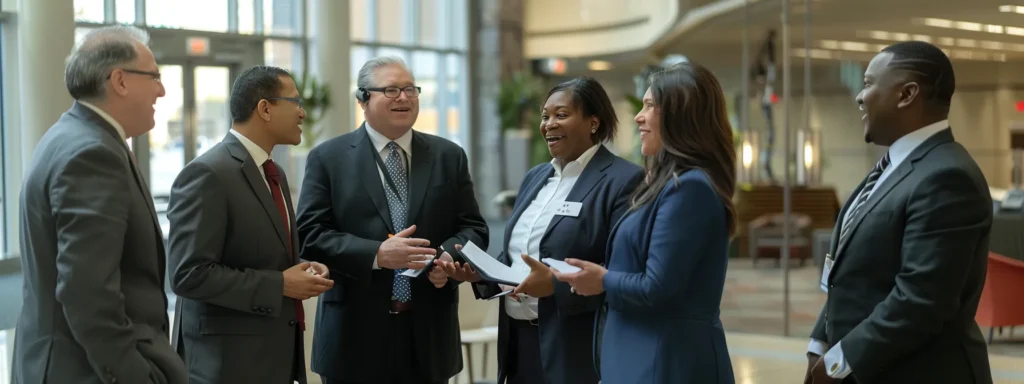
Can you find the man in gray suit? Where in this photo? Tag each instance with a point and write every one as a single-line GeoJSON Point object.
{"type": "Point", "coordinates": [233, 245]}
{"type": "Point", "coordinates": [95, 310]}
{"type": "Point", "coordinates": [907, 262]}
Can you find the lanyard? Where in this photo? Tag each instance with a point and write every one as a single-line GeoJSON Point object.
{"type": "Point", "coordinates": [387, 175]}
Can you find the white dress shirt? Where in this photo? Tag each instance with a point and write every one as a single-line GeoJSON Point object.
{"type": "Point", "coordinates": [533, 223]}
{"type": "Point", "coordinates": [259, 156]}
{"type": "Point", "coordinates": [106, 116]}
{"type": "Point", "coordinates": [380, 143]}
{"type": "Point", "coordinates": [835, 362]}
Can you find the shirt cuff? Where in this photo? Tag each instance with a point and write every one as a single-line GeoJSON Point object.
{"type": "Point", "coordinates": [817, 347]}
{"type": "Point", "coordinates": [836, 364]}
{"type": "Point", "coordinates": [375, 267]}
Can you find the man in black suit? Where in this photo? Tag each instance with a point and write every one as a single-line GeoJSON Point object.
{"type": "Point", "coordinates": [364, 194]}
{"type": "Point", "coordinates": [907, 262]}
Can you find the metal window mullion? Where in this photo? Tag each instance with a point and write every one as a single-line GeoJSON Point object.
{"type": "Point", "coordinates": [441, 95]}
{"type": "Point", "coordinates": [411, 21]}
{"type": "Point", "coordinates": [109, 11]}
{"type": "Point", "coordinates": [233, 16]}
{"type": "Point", "coordinates": [140, 12]}
{"type": "Point", "coordinates": [257, 8]}
{"type": "Point", "coordinates": [371, 18]}
{"type": "Point", "coordinates": [189, 122]}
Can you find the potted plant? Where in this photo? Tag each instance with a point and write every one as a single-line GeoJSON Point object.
{"type": "Point", "coordinates": [519, 100]}
{"type": "Point", "coordinates": [316, 100]}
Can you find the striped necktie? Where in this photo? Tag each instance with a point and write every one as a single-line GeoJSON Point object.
{"type": "Point", "coordinates": [876, 173]}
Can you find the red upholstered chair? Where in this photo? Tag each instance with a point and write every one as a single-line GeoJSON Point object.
{"type": "Point", "coordinates": [1001, 300]}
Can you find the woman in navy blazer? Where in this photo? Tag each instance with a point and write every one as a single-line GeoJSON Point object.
{"type": "Point", "coordinates": [545, 332]}
{"type": "Point", "coordinates": [668, 254]}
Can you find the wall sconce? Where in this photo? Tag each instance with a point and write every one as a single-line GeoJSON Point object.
{"type": "Point", "coordinates": [748, 158]}
{"type": "Point", "coordinates": [808, 156]}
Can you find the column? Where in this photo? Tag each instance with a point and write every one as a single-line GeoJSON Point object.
{"type": "Point", "coordinates": [46, 33]}
{"type": "Point", "coordinates": [331, 58]}
{"type": "Point", "coordinates": [34, 91]}
{"type": "Point", "coordinates": [496, 52]}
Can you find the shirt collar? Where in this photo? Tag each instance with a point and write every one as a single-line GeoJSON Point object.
{"type": "Point", "coordinates": [903, 146]}
{"type": "Point", "coordinates": [380, 141]}
{"type": "Point", "coordinates": [259, 156]}
{"type": "Point", "coordinates": [580, 162]}
{"type": "Point", "coordinates": [107, 117]}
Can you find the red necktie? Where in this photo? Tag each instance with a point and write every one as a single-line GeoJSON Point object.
{"type": "Point", "coordinates": [274, 179]}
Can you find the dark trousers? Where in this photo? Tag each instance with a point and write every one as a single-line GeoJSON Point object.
{"type": "Point", "coordinates": [524, 366]}
{"type": "Point", "coordinates": [400, 360]}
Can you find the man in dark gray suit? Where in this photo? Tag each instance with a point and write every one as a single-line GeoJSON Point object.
{"type": "Point", "coordinates": [95, 310]}
{"type": "Point", "coordinates": [907, 262]}
{"type": "Point", "coordinates": [233, 245]}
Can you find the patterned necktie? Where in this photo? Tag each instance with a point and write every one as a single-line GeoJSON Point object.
{"type": "Point", "coordinates": [876, 172]}
{"type": "Point", "coordinates": [398, 205]}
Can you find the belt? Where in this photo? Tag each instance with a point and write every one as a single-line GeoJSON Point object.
{"type": "Point", "coordinates": [399, 307]}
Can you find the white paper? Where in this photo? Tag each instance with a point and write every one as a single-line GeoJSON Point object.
{"type": "Point", "coordinates": [487, 265]}
{"type": "Point", "coordinates": [560, 265]}
{"type": "Point", "coordinates": [417, 272]}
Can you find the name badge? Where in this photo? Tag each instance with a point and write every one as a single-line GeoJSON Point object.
{"type": "Point", "coordinates": [569, 208]}
{"type": "Point", "coordinates": [825, 271]}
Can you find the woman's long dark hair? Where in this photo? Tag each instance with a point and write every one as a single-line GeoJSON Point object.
{"type": "Point", "coordinates": [695, 134]}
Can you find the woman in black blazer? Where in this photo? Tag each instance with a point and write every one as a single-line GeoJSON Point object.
{"type": "Point", "coordinates": [545, 331]}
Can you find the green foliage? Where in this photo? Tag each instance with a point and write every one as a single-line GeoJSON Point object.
{"type": "Point", "coordinates": [519, 103]}
{"type": "Point", "coordinates": [316, 100]}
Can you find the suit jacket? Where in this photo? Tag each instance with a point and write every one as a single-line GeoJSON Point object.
{"type": "Point", "coordinates": [566, 325]}
{"type": "Point", "coordinates": [904, 290]}
{"type": "Point", "coordinates": [343, 219]}
{"type": "Point", "coordinates": [666, 274]}
{"type": "Point", "coordinates": [92, 251]}
{"type": "Point", "coordinates": [228, 248]}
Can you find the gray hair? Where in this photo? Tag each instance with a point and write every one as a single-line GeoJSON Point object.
{"type": "Point", "coordinates": [100, 52]}
{"type": "Point", "coordinates": [365, 78]}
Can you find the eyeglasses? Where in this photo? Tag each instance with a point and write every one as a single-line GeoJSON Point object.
{"type": "Point", "coordinates": [393, 92]}
{"type": "Point", "coordinates": [154, 75]}
{"type": "Point", "coordinates": [295, 100]}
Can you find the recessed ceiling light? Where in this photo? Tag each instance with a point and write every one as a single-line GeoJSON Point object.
{"type": "Point", "coordinates": [599, 65]}
{"type": "Point", "coordinates": [1011, 9]}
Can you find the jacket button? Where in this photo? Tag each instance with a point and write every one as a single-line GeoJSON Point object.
{"type": "Point", "coordinates": [291, 323]}
{"type": "Point", "coordinates": [270, 310]}
{"type": "Point", "coordinates": [256, 309]}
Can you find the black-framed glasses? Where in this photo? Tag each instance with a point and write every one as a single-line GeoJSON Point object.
{"type": "Point", "coordinates": [296, 100]}
{"type": "Point", "coordinates": [154, 75]}
{"type": "Point", "coordinates": [393, 92]}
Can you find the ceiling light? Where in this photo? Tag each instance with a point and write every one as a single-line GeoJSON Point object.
{"type": "Point", "coordinates": [599, 65]}
{"type": "Point", "coordinates": [1011, 9]}
{"type": "Point", "coordinates": [943, 41]}
{"type": "Point", "coordinates": [970, 26]}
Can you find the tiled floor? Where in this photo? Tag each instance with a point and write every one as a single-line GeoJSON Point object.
{"type": "Point", "coordinates": [752, 314]}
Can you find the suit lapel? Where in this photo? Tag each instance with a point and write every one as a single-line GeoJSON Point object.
{"type": "Point", "coordinates": [894, 179]}
{"type": "Point", "coordinates": [838, 227]}
{"type": "Point", "coordinates": [522, 202]}
{"type": "Point", "coordinates": [257, 183]}
{"type": "Point", "coordinates": [87, 114]}
{"type": "Point", "coordinates": [361, 155]}
{"type": "Point", "coordinates": [592, 174]}
{"type": "Point", "coordinates": [422, 166]}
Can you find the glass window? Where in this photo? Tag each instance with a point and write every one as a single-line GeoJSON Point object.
{"type": "Point", "coordinates": [246, 17]}
{"type": "Point", "coordinates": [453, 97]}
{"type": "Point", "coordinates": [391, 21]}
{"type": "Point", "coordinates": [388, 51]}
{"type": "Point", "coordinates": [89, 10]}
{"type": "Point", "coordinates": [3, 181]}
{"type": "Point", "coordinates": [282, 17]}
{"type": "Point", "coordinates": [359, 14]}
{"type": "Point", "coordinates": [358, 56]}
{"type": "Point", "coordinates": [457, 24]}
{"type": "Point", "coordinates": [124, 11]}
{"type": "Point", "coordinates": [286, 54]}
{"type": "Point", "coordinates": [80, 33]}
{"type": "Point", "coordinates": [183, 14]}
{"type": "Point", "coordinates": [431, 17]}
{"type": "Point", "coordinates": [424, 68]}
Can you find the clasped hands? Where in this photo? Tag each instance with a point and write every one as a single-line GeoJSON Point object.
{"type": "Point", "coordinates": [816, 371]}
{"type": "Point", "coordinates": [404, 252]}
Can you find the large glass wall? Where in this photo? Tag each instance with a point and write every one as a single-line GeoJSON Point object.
{"type": "Point", "coordinates": [430, 35]}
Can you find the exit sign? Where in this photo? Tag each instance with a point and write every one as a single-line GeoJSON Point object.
{"type": "Point", "coordinates": [197, 46]}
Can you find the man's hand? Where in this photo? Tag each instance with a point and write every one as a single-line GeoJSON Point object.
{"type": "Point", "coordinates": [317, 269]}
{"type": "Point", "coordinates": [817, 373]}
{"type": "Point", "coordinates": [400, 251]}
{"type": "Point", "coordinates": [812, 358]}
{"type": "Point", "coordinates": [539, 283]}
{"type": "Point", "coordinates": [437, 276]}
{"type": "Point", "coordinates": [588, 282]}
{"type": "Point", "coordinates": [460, 272]}
{"type": "Point", "coordinates": [301, 285]}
